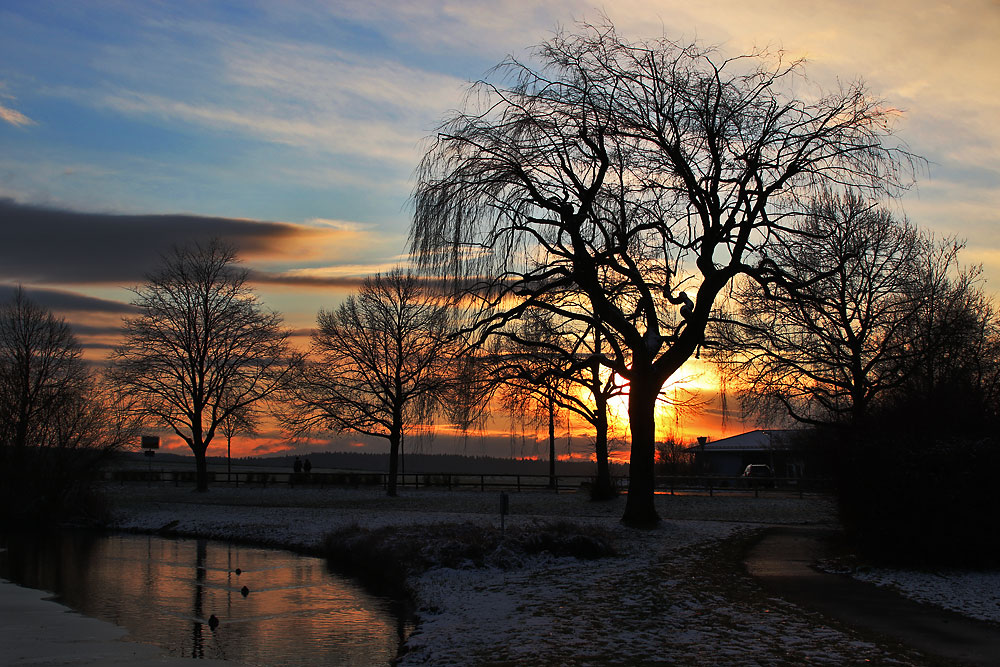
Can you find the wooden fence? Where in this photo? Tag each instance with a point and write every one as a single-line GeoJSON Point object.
{"type": "Point", "coordinates": [672, 485]}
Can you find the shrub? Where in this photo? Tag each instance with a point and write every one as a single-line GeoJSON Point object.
{"type": "Point", "coordinates": [922, 500]}
{"type": "Point", "coordinates": [385, 557]}
{"type": "Point", "coordinates": [44, 486]}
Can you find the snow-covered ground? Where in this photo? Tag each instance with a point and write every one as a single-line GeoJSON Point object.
{"type": "Point", "coordinates": [671, 595]}
{"type": "Point", "coordinates": [974, 594]}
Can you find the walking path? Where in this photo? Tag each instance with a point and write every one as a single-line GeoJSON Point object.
{"type": "Point", "coordinates": [783, 561]}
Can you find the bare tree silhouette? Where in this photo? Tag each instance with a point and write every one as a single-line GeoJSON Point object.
{"type": "Point", "coordinates": [59, 421]}
{"type": "Point", "coordinates": [644, 175]}
{"type": "Point", "coordinates": [42, 372]}
{"type": "Point", "coordinates": [955, 339]}
{"type": "Point", "coordinates": [549, 363]}
{"type": "Point", "coordinates": [380, 364]}
{"type": "Point", "coordinates": [834, 340]}
{"type": "Point", "coordinates": [202, 348]}
{"type": "Point", "coordinates": [532, 378]}
{"type": "Point", "coordinates": [874, 306]}
{"type": "Point", "coordinates": [243, 421]}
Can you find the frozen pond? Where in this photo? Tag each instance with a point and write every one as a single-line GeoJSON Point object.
{"type": "Point", "coordinates": [294, 611]}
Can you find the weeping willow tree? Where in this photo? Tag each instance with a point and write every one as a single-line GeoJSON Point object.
{"type": "Point", "coordinates": [379, 365]}
{"type": "Point", "coordinates": [644, 176]}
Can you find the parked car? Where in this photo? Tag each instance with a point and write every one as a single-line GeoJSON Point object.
{"type": "Point", "coordinates": [758, 474]}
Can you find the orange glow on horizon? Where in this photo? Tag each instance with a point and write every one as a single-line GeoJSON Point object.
{"type": "Point", "coordinates": [504, 436]}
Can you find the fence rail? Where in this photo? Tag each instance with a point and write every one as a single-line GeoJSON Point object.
{"type": "Point", "coordinates": [673, 485]}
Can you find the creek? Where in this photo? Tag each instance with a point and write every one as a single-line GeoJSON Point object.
{"type": "Point", "coordinates": [274, 607]}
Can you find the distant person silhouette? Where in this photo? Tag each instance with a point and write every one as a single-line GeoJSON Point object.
{"type": "Point", "coordinates": [297, 466]}
{"type": "Point", "coordinates": [307, 466]}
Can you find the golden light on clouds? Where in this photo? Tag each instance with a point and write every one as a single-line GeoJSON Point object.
{"type": "Point", "coordinates": [14, 117]}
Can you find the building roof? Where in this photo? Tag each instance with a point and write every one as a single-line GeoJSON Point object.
{"type": "Point", "coordinates": [760, 440]}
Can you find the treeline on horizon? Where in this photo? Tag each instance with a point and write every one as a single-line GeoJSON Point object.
{"type": "Point", "coordinates": [414, 463]}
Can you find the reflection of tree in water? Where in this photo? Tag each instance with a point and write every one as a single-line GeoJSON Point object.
{"type": "Point", "coordinates": [198, 643]}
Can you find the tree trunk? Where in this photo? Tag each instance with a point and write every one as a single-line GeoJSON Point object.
{"type": "Point", "coordinates": [201, 466]}
{"type": "Point", "coordinates": [552, 444]}
{"type": "Point", "coordinates": [640, 510]}
{"type": "Point", "coordinates": [603, 488]}
{"type": "Point", "coordinates": [393, 464]}
{"type": "Point", "coordinates": [199, 446]}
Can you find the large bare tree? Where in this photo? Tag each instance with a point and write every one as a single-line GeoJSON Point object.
{"type": "Point", "coordinates": [644, 175]}
{"type": "Point", "coordinates": [380, 364]}
{"type": "Point", "coordinates": [202, 347]}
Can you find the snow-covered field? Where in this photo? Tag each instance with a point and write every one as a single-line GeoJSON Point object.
{"type": "Point", "coordinates": [674, 595]}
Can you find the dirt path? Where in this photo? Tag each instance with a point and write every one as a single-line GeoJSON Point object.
{"type": "Point", "coordinates": [783, 561]}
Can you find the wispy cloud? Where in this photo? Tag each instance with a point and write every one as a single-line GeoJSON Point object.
{"type": "Point", "coordinates": [305, 278]}
{"type": "Point", "coordinates": [310, 96]}
{"type": "Point", "coordinates": [372, 139]}
{"type": "Point", "coordinates": [14, 117]}
{"type": "Point", "coordinates": [489, 28]}
{"type": "Point", "coordinates": [341, 275]}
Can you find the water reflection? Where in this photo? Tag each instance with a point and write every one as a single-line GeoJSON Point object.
{"type": "Point", "coordinates": [164, 592]}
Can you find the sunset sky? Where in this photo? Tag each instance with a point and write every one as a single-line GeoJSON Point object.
{"type": "Point", "coordinates": [293, 128]}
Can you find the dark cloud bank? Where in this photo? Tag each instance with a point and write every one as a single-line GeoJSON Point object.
{"type": "Point", "coordinates": [47, 245]}
{"type": "Point", "coordinates": [62, 301]}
